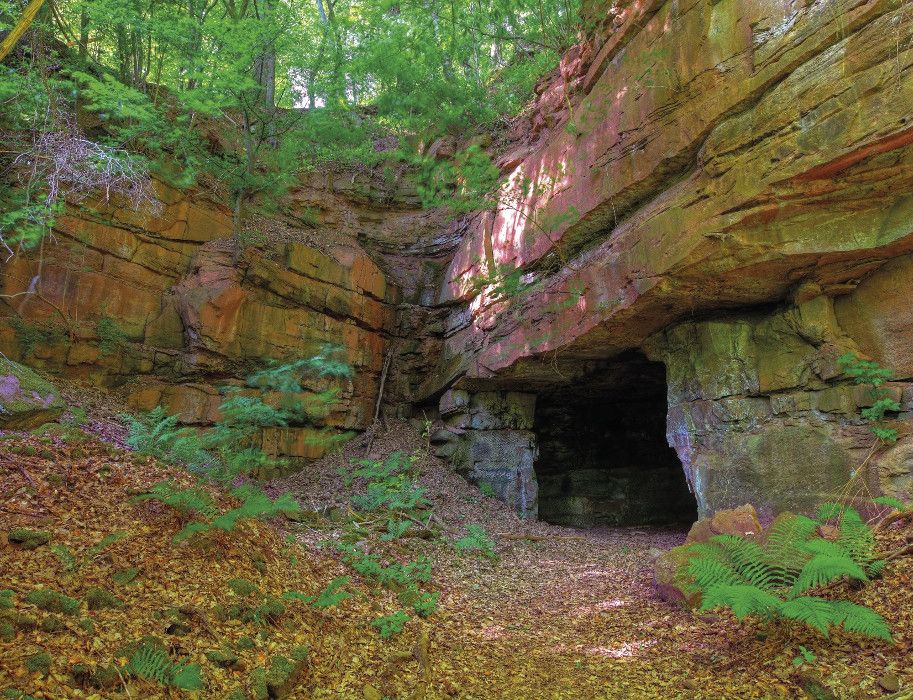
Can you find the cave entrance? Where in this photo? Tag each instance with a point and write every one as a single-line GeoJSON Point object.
{"type": "Point", "coordinates": [603, 456]}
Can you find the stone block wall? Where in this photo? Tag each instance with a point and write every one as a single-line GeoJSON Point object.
{"type": "Point", "coordinates": [488, 438]}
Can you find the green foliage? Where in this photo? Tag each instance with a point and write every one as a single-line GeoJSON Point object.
{"type": "Point", "coordinates": [275, 396]}
{"type": "Point", "coordinates": [487, 489]}
{"type": "Point", "coordinates": [804, 657]}
{"type": "Point", "coordinates": [6, 599]}
{"type": "Point", "coordinates": [68, 561]}
{"type": "Point", "coordinates": [891, 502]}
{"type": "Point", "coordinates": [14, 694]}
{"type": "Point", "coordinates": [390, 625]}
{"type": "Point", "coordinates": [500, 281]}
{"type": "Point", "coordinates": [388, 485]}
{"type": "Point", "coordinates": [395, 530]}
{"type": "Point", "coordinates": [331, 596]}
{"type": "Point", "coordinates": [30, 335]}
{"type": "Point", "coordinates": [152, 662]}
{"type": "Point", "coordinates": [869, 372]}
{"type": "Point", "coordinates": [466, 182]}
{"type": "Point", "coordinates": [189, 502]}
{"type": "Point", "coordinates": [476, 540]}
{"type": "Point", "coordinates": [158, 434]}
{"type": "Point", "coordinates": [771, 578]}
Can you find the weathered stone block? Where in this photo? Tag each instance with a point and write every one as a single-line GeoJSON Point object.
{"type": "Point", "coordinates": [26, 399]}
{"type": "Point", "coordinates": [493, 410]}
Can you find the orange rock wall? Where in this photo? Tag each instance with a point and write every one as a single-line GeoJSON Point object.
{"type": "Point", "coordinates": [189, 316]}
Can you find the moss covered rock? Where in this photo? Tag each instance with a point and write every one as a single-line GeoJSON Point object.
{"type": "Point", "coordinates": [25, 538]}
{"type": "Point", "coordinates": [26, 400]}
{"type": "Point", "coordinates": [98, 598]}
{"type": "Point", "coordinates": [53, 601]}
{"type": "Point", "coordinates": [38, 663]}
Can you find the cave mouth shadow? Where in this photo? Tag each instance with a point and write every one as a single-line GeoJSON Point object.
{"type": "Point", "coordinates": [603, 456]}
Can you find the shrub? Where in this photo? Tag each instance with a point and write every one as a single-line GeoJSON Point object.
{"type": "Point", "coordinates": [772, 578]}
{"type": "Point", "coordinates": [389, 625]}
{"type": "Point", "coordinates": [476, 540]}
{"type": "Point", "coordinates": [871, 373]}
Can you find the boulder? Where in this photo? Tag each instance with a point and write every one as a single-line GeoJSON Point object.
{"type": "Point", "coordinates": [26, 399]}
{"type": "Point", "coordinates": [742, 521]}
{"type": "Point", "coordinates": [671, 583]}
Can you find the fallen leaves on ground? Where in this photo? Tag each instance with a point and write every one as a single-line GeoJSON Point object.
{"type": "Point", "coordinates": [559, 614]}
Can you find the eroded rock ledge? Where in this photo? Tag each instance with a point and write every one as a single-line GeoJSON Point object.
{"type": "Point", "coordinates": [730, 196]}
{"type": "Point", "coordinates": [709, 205]}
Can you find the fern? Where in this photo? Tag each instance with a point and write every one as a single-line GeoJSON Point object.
{"type": "Point", "coordinates": [187, 501]}
{"type": "Point", "coordinates": [150, 662]}
{"type": "Point", "coordinates": [891, 502]}
{"type": "Point", "coordinates": [771, 578]}
{"type": "Point", "coordinates": [153, 663]}
{"type": "Point", "coordinates": [476, 540]}
{"type": "Point", "coordinates": [823, 569]}
{"type": "Point", "coordinates": [743, 600]}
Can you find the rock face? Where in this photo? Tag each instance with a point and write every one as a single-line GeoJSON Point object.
{"type": "Point", "coordinates": [157, 308]}
{"type": "Point", "coordinates": [730, 196]}
{"type": "Point", "coordinates": [708, 205]}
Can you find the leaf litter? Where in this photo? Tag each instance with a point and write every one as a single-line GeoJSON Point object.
{"type": "Point", "coordinates": [557, 614]}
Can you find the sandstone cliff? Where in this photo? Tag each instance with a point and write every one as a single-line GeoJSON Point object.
{"type": "Point", "coordinates": [708, 206]}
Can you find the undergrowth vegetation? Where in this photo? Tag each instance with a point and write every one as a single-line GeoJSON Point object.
{"type": "Point", "coordinates": [778, 577]}
{"type": "Point", "coordinates": [228, 453]}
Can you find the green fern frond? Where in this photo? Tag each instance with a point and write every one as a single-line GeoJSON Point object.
{"type": "Point", "coordinates": [860, 619]}
{"type": "Point", "coordinates": [153, 663]}
{"type": "Point", "coordinates": [707, 573]}
{"type": "Point", "coordinates": [829, 511]}
{"type": "Point", "coordinates": [891, 502]}
{"type": "Point", "coordinates": [814, 612]}
{"type": "Point", "coordinates": [743, 600]}
{"type": "Point", "coordinates": [748, 560]}
{"type": "Point", "coordinates": [823, 569]}
{"type": "Point", "coordinates": [150, 662]}
{"type": "Point", "coordinates": [186, 677]}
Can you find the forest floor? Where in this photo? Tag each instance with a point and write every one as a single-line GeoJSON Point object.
{"type": "Point", "coordinates": [556, 614]}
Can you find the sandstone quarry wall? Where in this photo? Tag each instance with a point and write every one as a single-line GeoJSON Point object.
{"type": "Point", "coordinates": [723, 187]}
{"type": "Point", "coordinates": [730, 191]}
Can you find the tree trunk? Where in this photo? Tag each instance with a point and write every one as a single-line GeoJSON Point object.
{"type": "Point", "coordinates": [9, 41]}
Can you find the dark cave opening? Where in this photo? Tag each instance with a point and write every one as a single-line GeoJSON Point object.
{"type": "Point", "coordinates": [603, 456]}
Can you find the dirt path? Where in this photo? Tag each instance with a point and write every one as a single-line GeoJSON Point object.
{"type": "Point", "coordinates": [573, 614]}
